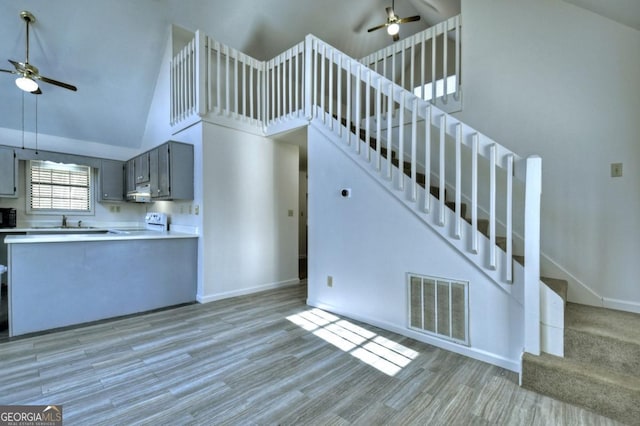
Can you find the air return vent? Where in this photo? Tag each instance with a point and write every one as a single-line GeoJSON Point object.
{"type": "Point", "coordinates": [439, 307]}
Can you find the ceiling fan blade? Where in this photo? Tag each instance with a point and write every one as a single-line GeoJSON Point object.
{"type": "Point", "coordinates": [376, 28]}
{"type": "Point", "coordinates": [396, 37]}
{"type": "Point", "coordinates": [409, 19]}
{"type": "Point", "coordinates": [17, 65]}
{"type": "Point", "coordinates": [57, 83]}
{"type": "Point", "coordinates": [11, 72]}
{"type": "Point", "coordinates": [390, 13]}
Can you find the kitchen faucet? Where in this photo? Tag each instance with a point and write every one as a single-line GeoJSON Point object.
{"type": "Point", "coordinates": [64, 221]}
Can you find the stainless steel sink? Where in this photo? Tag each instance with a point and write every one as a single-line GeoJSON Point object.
{"type": "Point", "coordinates": [70, 228]}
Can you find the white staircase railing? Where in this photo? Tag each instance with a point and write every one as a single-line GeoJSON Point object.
{"type": "Point", "coordinates": [376, 116]}
{"type": "Point", "coordinates": [426, 63]}
{"type": "Point", "coordinates": [284, 86]}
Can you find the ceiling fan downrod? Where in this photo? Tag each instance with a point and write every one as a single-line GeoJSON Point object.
{"type": "Point", "coordinates": [28, 18]}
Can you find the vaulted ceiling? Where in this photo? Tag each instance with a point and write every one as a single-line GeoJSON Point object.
{"type": "Point", "coordinates": [112, 49]}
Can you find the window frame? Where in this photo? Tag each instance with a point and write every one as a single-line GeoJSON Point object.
{"type": "Point", "coordinates": [452, 83]}
{"type": "Point", "coordinates": [28, 192]}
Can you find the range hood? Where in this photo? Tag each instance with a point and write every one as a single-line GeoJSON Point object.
{"type": "Point", "coordinates": [142, 194]}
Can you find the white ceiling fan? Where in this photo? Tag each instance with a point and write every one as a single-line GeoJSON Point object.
{"type": "Point", "coordinates": [393, 22]}
{"type": "Point", "coordinates": [28, 74]}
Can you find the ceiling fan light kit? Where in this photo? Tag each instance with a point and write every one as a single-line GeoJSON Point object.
{"type": "Point", "coordinates": [393, 29]}
{"type": "Point", "coordinates": [27, 73]}
{"type": "Point", "coordinates": [26, 84]}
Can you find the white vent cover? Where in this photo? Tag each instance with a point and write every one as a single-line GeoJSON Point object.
{"type": "Point", "coordinates": [439, 307]}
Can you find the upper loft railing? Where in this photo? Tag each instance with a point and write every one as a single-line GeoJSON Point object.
{"type": "Point", "coordinates": [263, 92]}
{"type": "Point", "coordinates": [373, 115]}
{"type": "Point", "coordinates": [426, 64]}
{"type": "Point", "coordinates": [235, 85]}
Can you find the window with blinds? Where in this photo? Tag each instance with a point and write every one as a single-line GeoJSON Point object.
{"type": "Point", "coordinates": [59, 187]}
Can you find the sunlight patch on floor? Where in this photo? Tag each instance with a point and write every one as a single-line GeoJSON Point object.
{"type": "Point", "coordinates": [379, 352]}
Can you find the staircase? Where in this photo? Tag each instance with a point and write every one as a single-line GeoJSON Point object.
{"type": "Point", "coordinates": [376, 117]}
{"type": "Point", "coordinates": [600, 370]}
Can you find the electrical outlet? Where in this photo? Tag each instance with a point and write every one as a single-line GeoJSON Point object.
{"type": "Point", "coordinates": [112, 209]}
{"type": "Point", "coordinates": [329, 281]}
{"type": "Point", "coordinates": [290, 213]}
{"type": "Point", "coordinates": [117, 209]}
{"type": "Point", "coordinates": [616, 169]}
{"type": "Point", "coordinates": [197, 209]}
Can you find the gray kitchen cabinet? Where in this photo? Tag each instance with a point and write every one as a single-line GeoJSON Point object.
{"type": "Point", "coordinates": [111, 180]}
{"type": "Point", "coordinates": [8, 172]}
{"type": "Point", "coordinates": [130, 176]}
{"type": "Point", "coordinates": [142, 168]}
{"type": "Point", "coordinates": [172, 171]}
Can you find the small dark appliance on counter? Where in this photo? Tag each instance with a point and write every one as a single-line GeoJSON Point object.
{"type": "Point", "coordinates": [7, 218]}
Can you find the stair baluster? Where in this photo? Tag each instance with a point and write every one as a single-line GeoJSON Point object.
{"type": "Point", "coordinates": [427, 157]}
{"type": "Point", "coordinates": [458, 194]}
{"type": "Point", "coordinates": [441, 170]}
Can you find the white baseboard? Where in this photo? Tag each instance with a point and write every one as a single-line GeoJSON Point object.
{"type": "Point", "coordinates": [244, 291]}
{"type": "Point", "coordinates": [578, 292]}
{"type": "Point", "coordinates": [480, 355]}
{"type": "Point", "coordinates": [621, 305]}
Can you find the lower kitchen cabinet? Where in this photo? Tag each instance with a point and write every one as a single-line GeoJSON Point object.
{"type": "Point", "coordinates": [82, 281]}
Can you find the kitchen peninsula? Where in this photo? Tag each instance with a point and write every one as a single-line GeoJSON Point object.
{"type": "Point", "coordinates": [57, 280]}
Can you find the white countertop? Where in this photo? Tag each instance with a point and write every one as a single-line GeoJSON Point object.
{"type": "Point", "coordinates": [78, 235]}
{"type": "Point", "coordinates": [69, 230]}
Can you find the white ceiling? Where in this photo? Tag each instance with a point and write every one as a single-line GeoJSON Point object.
{"type": "Point", "coordinates": [111, 50]}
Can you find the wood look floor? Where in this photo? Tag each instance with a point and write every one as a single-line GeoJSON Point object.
{"type": "Point", "coordinates": [248, 361]}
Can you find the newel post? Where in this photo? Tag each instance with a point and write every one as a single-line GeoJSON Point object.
{"type": "Point", "coordinates": [533, 191]}
{"type": "Point", "coordinates": [200, 77]}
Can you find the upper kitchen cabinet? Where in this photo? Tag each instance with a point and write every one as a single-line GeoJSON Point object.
{"type": "Point", "coordinates": [8, 172]}
{"type": "Point", "coordinates": [130, 176]}
{"type": "Point", "coordinates": [142, 168]}
{"type": "Point", "coordinates": [111, 180]}
{"type": "Point", "coordinates": [172, 171]}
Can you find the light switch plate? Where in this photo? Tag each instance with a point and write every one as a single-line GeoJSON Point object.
{"type": "Point", "coordinates": [616, 169]}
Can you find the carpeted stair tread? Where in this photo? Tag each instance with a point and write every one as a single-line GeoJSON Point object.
{"type": "Point", "coordinates": [557, 285]}
{"type": "Point", "coordinates": [608, 393]}
{"type": "Point", "coordinates": [603, 337]}
{"type": "Point", "coordinates": [452, 206]}
{"type": "Point", "coordinates": [483, 227]}
{"type": "Point", "coordinates": [605, 322]}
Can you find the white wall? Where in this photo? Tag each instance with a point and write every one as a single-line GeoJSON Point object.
{"type": "Point", "coordinates": [158, 129]}
{"type": "Point", "coordinates": [11, 137]}
{"type": "Point", "coordinates": [244, 187]}
{"type": "Point", "coordinates": [302, 214]}
{"type": "Point", "coordinates": [249, 185]}
{"type": "Point", "coordinates": [552, 79]}
{"type": "Point", "coordinates": [369, 242]}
